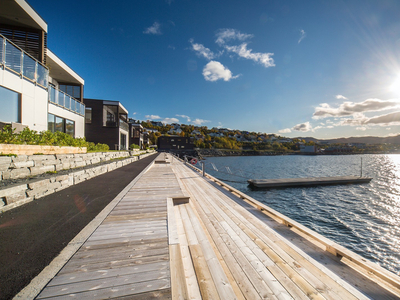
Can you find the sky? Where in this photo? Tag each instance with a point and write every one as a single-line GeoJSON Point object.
{"type": "Point", "coordinates": [325, 69]}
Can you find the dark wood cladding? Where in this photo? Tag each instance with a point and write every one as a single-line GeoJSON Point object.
{"type": "Point", "coordinates": [33, 42]}
{"type": "Point", "coordinates": [95, 131]}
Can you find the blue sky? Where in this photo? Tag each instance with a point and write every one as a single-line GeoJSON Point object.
{"type": "Point", "coordinates": [297, 68]}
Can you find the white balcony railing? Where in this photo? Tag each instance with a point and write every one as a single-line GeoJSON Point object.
{"type": "Point", "coordinates": [66, 101]}
{"type": "Point", "coordinates": [18, 61]}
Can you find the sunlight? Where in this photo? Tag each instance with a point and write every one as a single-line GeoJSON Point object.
{"type": "Point", "coordinates": [395, 87]}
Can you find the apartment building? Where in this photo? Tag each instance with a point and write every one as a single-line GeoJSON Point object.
{"type": "Point", "coordinates": [107, 123]}
{"type": "Point", "coordinates": [37, 89]}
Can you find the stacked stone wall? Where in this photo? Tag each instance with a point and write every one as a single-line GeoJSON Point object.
{"type": "Point", "coordinates": [25, 166]}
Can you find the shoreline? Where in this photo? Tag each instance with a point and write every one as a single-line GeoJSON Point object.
{"type": "Point", "coordinates": [228, 152]}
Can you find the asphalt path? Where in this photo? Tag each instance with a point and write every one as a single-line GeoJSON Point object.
{"type": "Point", "coordinates": [32, 235]}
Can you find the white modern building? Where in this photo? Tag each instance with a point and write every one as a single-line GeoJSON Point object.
{"type": "Point", "coordinates": [37, 89]}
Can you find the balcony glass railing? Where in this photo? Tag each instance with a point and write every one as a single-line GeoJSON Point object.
{"type": "Point", "coordinates": [123, 125]}
{"type": "Point", "coordinates": [64, 100]}
{"type": "Point", "coordinates": [18, 61]}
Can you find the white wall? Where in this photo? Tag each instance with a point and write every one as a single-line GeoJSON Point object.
{"type": "Point", "coordinates": [33, 99]}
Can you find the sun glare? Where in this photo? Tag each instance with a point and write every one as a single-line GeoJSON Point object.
{"type": "Point", "coordinates": [395, 87]}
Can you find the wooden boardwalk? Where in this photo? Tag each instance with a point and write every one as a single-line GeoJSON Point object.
{"type": "Point", "coordinates": [177, 235]}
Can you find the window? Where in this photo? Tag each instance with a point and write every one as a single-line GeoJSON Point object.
{"type": "Point", "coordinates": [72, 90]}
{"type": "Point", "coordinates": [88, 115]}
{"type": "Point", "coordinates": [70, 127]}
{"type": "Point", "coordinates": [55, 123]}
{"type": "Point", "coordinates": [60, 124]}
{"type": "Point", "coordinates": [51, 123]}
{"type": "Point", "coordinates": [110, 115]}
{"type": "Point", "coordinates": [10, 103]}
{"type": "Point", "coordinates": [123, 142]}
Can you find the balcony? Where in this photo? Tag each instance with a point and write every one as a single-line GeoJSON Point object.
{"type": "Point", "coordinates": [64, 100]}
{"type": "Point", "coordinates": [21, 63]}
{"type": "Point", "coordinates": [123, 125]}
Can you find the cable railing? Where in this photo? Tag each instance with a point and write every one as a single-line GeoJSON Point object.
{"type": "Point", "coordinates": [66, 101]}
{"type": "Point", "coordinates": [16, 60]}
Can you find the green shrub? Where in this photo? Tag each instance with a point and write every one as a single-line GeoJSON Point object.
{"type": "Point", "coordinates": [134, 146]}
{"type": "Point", "coordinates": [32, 137]}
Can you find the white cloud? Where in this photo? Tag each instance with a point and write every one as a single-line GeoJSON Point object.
{"type": "Point", "coordinates": [384, 120]}
{"type": "Point", "coordinates": [171, 47]}
{"type": "Point", "coordinates": [134, 113]}
{"type": "Point", "coordinates": [303, 34]}
{"type": "Point", "coordinates": [286, 130]}
{"type": "Point", "coordinates": [169, 1]}
{"type": "Point", "coordinates": [214, 71]}
{"type": "Point", "coordinates": [202, 51]}
{"type": "Point", "coordinates": [224, 35]}
{"type": "Point", "coordinates": [361, 128]}
{"type": "Point", "coordinates": [330, 126]}
{"type": "Point", "coordinates": [390, 119]}
{"type": "Point", "coordinates": [324, 110]}
{"type": "Point", "coordinates": [263, 58]}
{"type": "Point", "coordinates": [170, 120]}
{"type": "Point", "coordinates": [153, 29]}
{"type": "Point", "coordinates": [340, 97]}
{"type": "Point", "coordinates": [152, 117]}
{"type": "Point", "coordinates": [304, 127]}
{"type": "Point", "coordinates": [184, 116]}
{"type": "Point", "coordinates": [200, 122]}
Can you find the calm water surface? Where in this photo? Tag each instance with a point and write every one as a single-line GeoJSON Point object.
{"type": "Point", "coordinates": [365, 218]}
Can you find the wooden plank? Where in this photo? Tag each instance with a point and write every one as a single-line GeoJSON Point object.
{"type": "Point", "coordinates": [118, 291]}
{"type": "Point", "coordinates": [178, 282]}
{"type": "Point", "coordinates": [106, 273]}
{"type": "Point", "coordinates": [101, 265]}
{"type": "Point", "coordinates": [190, 275]}
{"type": "Point", "coordinates": [102, 283]}
{"type": "Point", "coordinates": [222, 284]}
{"type": "Point", "coordinates": [204, 278]}
{"type": "Point", "coordinates": [173, 237]}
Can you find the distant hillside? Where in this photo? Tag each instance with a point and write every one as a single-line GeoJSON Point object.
{"type": "Point", "coordinates": [363, 139]}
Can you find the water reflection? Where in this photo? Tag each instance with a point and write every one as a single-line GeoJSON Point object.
{"type": "Point", "coordinates": [364, 218]}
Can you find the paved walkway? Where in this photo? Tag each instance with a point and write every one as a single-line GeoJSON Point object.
{"type": "Point", "coordinates": [34, 234]}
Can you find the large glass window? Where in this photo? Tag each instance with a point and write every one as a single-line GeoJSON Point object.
{"type": "Point", "coordinates": [10, 106]}
{"type": "Point", "coordinates": [51, 123]}
{"type": "Point", "coordinates": [110, 115]}
{"type": "Point", "coordinates": [56, 123]}
{"type": "Point", "coordinates": [60, 124]}
{"type": "Point", "coordinates": [70, 127]}
{"type": "Point", "coordinates": [88, 115]}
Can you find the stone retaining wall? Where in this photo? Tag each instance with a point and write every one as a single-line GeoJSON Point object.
{"type": "Point", "coordinates": [11, 197]}
{"type": "Point", "coordinates": [22, 166]}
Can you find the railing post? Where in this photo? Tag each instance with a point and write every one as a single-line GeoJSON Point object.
{"type": "Point", "coordinates": [202, 168]}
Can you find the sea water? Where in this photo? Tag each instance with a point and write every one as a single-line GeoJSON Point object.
{"type": "Point", "coordinates": [364, 218]}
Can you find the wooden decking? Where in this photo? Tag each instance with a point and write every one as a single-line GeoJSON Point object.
{"type": "Point", "coordinates": [178, 235]}
{"type": "Point", "coordinates": [313, 181]}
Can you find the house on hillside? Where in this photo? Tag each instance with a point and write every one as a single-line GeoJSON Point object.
{"type": "Point", "coordinates": [37, 89]}
{"type": "Point", "coordinates": [106, 122]}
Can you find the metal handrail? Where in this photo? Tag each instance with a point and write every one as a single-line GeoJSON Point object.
{"type": "Point", "coordinates": [23, 53]}
{"type": "Point", "coordinates": [80, 111]}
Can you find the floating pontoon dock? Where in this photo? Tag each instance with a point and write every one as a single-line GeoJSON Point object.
{"type": "Point", "coordinates": [177, 235]}
{"type": "Point", "coordinates": [313, 181]}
